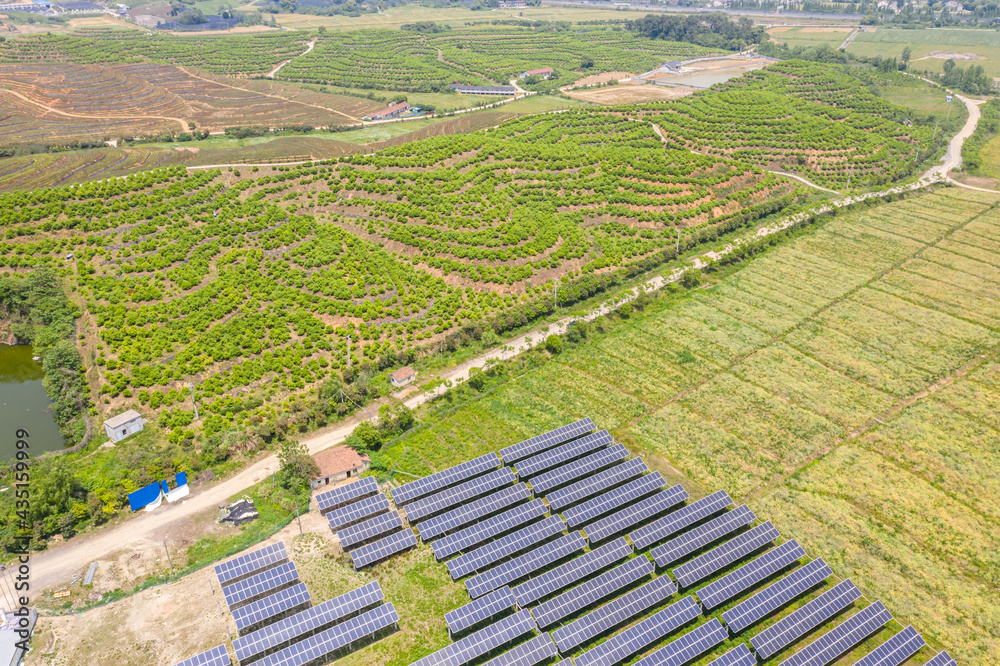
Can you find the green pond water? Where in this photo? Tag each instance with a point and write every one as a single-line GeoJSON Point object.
{"type": "Point", "coordinates": [24, 403]}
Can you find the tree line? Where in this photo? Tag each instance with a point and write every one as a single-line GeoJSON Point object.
{"type": "Point", "coordinates": [713, 31]}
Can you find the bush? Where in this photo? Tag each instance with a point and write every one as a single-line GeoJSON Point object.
{"type": "Point", "coordinates": [691, 278]}
{"type": "Point", "coordinates": [554, 344]}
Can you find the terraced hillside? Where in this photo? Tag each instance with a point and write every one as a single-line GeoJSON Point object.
{"type": "Point", "coordinates": [845, 385]}
{"type": "Point", "coordinates": [817, 120]}
{"type": "Point", "coordinates": [255, 284]}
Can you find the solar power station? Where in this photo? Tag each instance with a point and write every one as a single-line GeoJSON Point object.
{"type": "Point", "coordinates": [738, 656]}
{"type": "Point", "coordinates": [601, 482]}
{"type": "Point", "coordinates": [546, 441]}
{"type": "Point", "coordinates": [473, 511]}
{"type": "Point", "coordinates": [592, 591]}
{"type": "Point", "coordinates": [776, 596]}
{"type": "Point", "coordinates": [357, 512]}
{"type": "Point", "coordinates": [365, 523]}
{"type": "Point", "coordinates": [587, 465]}
{"type": "Point", "coordinates": [562, 454]}
{"type": "Point", "coordinates": [803, 620]}
{"type": "Point", "coordinates": [668, 526]}
{"type": "Point", "coordinates": [383, 549]}
{"type": "Point", "coordinates": [217, 656]}
{"type": "Point", "coordinates": [637, 638]}
{"type": "Point", "coordinates": [431, 505]}
{"type": "Point", "coordinates": [260, 585]}
{"type": "Point", "coordinates": [347, 494]}
{"type": "Point", "coordinates": [842, 638]}
{"type": "Point", "coordinates": [270, 608]}
{"type": "Point", "coordinates": [635, 513]}
{"type": "Point", "coordinates": [440, 480]}
{"type": "Point", "coordinates": [724, 555]}
{"type": "Point", "coordinates": [507, 546]}
{"type": "Point", "coordinates": [523, 565]}
{"type": "Point", "coordinates": [896, 650]}
{"type": "Point", "coordinates": [369, 530]}
{"type": "Point", "coordinates": [482, 642]}
{"type": "Point", "coordinates": [490, 528]}
{"type": "Point", "coordinates": [723, 589]}
{"type": "Point", "coordinates": [244, 566]}
{"type": "Point", "coordinates": [480, 610]}
{"type": "Point", "coordinates": [566, 574]}
{"type": "Point", "coordinates": [688, 647]}
{"type": "Point", "coordinates": [534, 651]}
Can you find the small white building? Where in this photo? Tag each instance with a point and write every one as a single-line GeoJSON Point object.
{"type": "Point", "coordinates": [125, 424]}
{"type": "Point", "coordinates": [402, 377]}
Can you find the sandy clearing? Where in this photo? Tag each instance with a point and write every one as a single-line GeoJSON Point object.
{"type": "Point", "coordinates": [630, 94]}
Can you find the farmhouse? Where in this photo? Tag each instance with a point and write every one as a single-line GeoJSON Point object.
{"type": "Point", "coordinates": [482, 90]}
{"type": "Point", "coordinates": [544, 72]}
{"type": "Point", "coordinates": [337, 464]}
{"type": "Point", "coordinates": [121, 426]}
{"type": "Point", "coordinates": [402, 377]}
{"type": "Point", "coordinates": [393, 111]}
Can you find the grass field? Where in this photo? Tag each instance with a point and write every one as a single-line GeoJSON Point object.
{"type": "Point", "coordinates": [809, 36]}
{"type": "Point", "coordinates": [890, 42]}
{"type": "Point", "coordinates": [845, 385]}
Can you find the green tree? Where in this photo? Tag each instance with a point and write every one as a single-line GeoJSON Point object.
{"type": "Point", "coordinates": [297, 466]}
{"type": "Point", "coordinates": [554, 344]}
{"type": "Point", "coordinates": [691, 278]}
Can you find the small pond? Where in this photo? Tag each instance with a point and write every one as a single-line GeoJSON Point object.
{"type": "Point", "coordinates": [24, 403]}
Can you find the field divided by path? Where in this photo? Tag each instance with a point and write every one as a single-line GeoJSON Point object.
{"type": "Point", "coordinates": [848, 382]}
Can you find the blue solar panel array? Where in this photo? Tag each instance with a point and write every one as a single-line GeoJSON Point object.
{"type": "Point", "coordinates": [482, 642]}
{"type": "Point", "coordinates": [688, 647]}
{"type": "Point", "coordinates": [665, 527]}
{"type": "Point", "coordinates": [257, 585]}
{"type": "Point", "coordinates": [217, 656]}
{"type": "Point", "coordinates": [566, 574]}
{"type": "Point", "coordinates": [591, 591]}
{"type": "Point", "coordinates": [738, 656]}
{"type": "Point", "coordinates": [595, 508]}
{"type": "Point", "coordinates": [505, 546]}
{"type": "Point", "coordinates": [532, 652]}
{"type": "Point", "coordinates": [736, 582]}
{"type": "Point", "coordinates": [598, 483]}
{"type": "Point", "coordinates": [356, 512]}
{"type": "Point", "coordinates": [637, 638]}
{"type": "Point", "coordinates": [524, 565]}
{"type": "Point", "coordinates": [539, 443]}
{"type": "Point", "coordinates": [894, 651]}
{"type": "Point", "coordinates": [307, 621]}
{"type": "Point", "coordinates": [636, 513]}
{"type": "Point", "coordinates": [335, 638]}
{"type": "Point", "coordinates": [379, 550]}
{"type": "Point", "coordinates": [585, 466]}
{"type": "Point", "coordinates": [347, 494]}
{"type": "Point", "coordinates": [488, 529]}
{"type": "Point", "coordinates": [722, 556]}
{"type": "Point", "coordinates": [270, 606]}
{"type": "Point", "coordinates": [614, 613]}
{"type": "Point", "coordinates": [367, 530]}
{"type": "Point", "coordinates": [563, 454]}
{"type": "Point", "coordinates": [941, 659]}
{"type": "Point", "coordinates": [841, 638]}
{"type": "Point", "coordinates": [773, 597]}
{"type": "Point", "coordinates": [448, 477]}
{"type": "Point", "coordinates": [473, 511]}
{"type": "Point", "coordinates": [426, 507]}
{"type": "Point", "coordinates": [802, 620]}
{"type": "Point", "coordinates": [245, 565]}
{"type": "Point", "coordinates": [480, 610]}
{"type": "Point", "coordinates": [702, 535]}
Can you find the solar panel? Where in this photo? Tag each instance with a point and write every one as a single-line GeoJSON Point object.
{"type": "Point", "coordinates": [691, 645]}
{"type": "Point", "coordinates": [447, 477]}
{"type": "Point", "coordinates": [488, 529]}
{"type": "Point", "coordinates": [776, 595]}
{"type": "Point", "coordinates": [736, 582]}
{"type": "Point", "coordinates": [598, 483]}
{"type": "Point", "coordinates": [535, 651]}
{"type": "Point", "coordinates": [637, 638]}
{"type": "Point", "coordinates": [480, 609]}
{"type": "Point", "coordinates": [611, 500]}
{"type": "Point", "coordinates": [665, 527]}
{"type": "Point", "coordinates": [307, 621]}
{"type": "Point", "coordinates": [563, 453]}
{"type": "Point", "coordinates": [335, 638]}
{"type": "Point", "coordinates": [356, 512]}
{"type": "Point", "coordinates": [379, 550]}
{"type": "Point", "coordinates": [803, 620]}
{"type": "Point", "coordinates": [347, 494]}
{"type": "Point", "coordinates": [592, 591]}
{"type": "Point", "coordinates": [356, 535]}
{"type": "Point", "coordinates": [941, 659]}
{"type": "Point", "coordinates": [482, 642]}
{"type": "Point", "coordinates": [539, 443]}
{"type": "Point", "coordinates": [722, 556]}
{"type": "Point", "coordinates": [270, 606]}
{"type": "Point", "coordinates": [738, 656]}
{"type": "Point", "coordinates": [248, 589]}
{"type": "Point", "coordinates": [841, 638]}
{"type": "Point", "coordinates": [566, 574]}
{"type": "Point", "coordinates": [426, 507]}
{"type": "Point", "coordinates": [635, 513]}
{"type": "Point", "coordinates": [505, 546]}
{"type": "Point", "coordinates": [473, 511]}
{"type": "Point", "coordinates": [217, 656]}
{"type": "Point", "coordinates": [702, 535]}
{"type": "Point", "coordinates": [524, 565]}
{"type": "Point", "coordinates": [614, 613]}
{"type": "Point", "coordinates": [245, 565]}
{"type": "Point", "coordinates": [894, 651]}
{"type": "Point", "coordinates": [543, 483]}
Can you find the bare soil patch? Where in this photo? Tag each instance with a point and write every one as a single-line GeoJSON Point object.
{"type": "Point", "coordinates": [631, 94]}
{"type": "Point", "coordinates": [595, 79]}
{"type": "Point", "coordinates": [951, 55]}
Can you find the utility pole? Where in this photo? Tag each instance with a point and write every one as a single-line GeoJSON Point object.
{"type": "Point", "coordinates": [678, 241]}
{"type": "Point", "coordinates": [299, 520]}
{"type": "Point", "coordinates": [442, 351]}
{"type": "Point", "coordinates": [949, 110]}
{"type": "Point", "coordinates": [555, 300]}
{"type": "Point", "coordinates": [849, 174]}
{"type": "Point", "coordinates": [191, 389]}
{"type": "Point", "coordinates": [169, 561]}
{"type": "Point", "coordinates": [348, 352]}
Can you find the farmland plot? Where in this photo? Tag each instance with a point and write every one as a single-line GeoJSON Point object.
{"type": "Point", "coordinates": [782, 406]}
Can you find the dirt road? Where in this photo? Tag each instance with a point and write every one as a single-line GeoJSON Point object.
{"type": "Point", "coordinates": [277, 68]}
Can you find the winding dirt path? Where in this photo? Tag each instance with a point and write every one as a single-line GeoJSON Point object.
{"type": "Point", "coordinates": [277, 68]}
{"type": "Point", "coordinates": [183, 123]}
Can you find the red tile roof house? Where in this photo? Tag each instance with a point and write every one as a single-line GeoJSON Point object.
{"type": "Point", "coordinates": [402, 377]}
{"type": "Point", "coordinates": [389, 111]}
{"type": "Point", "coordinates": [544, 72]}
{"type": "Point", "coordinates": [338, 464]}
